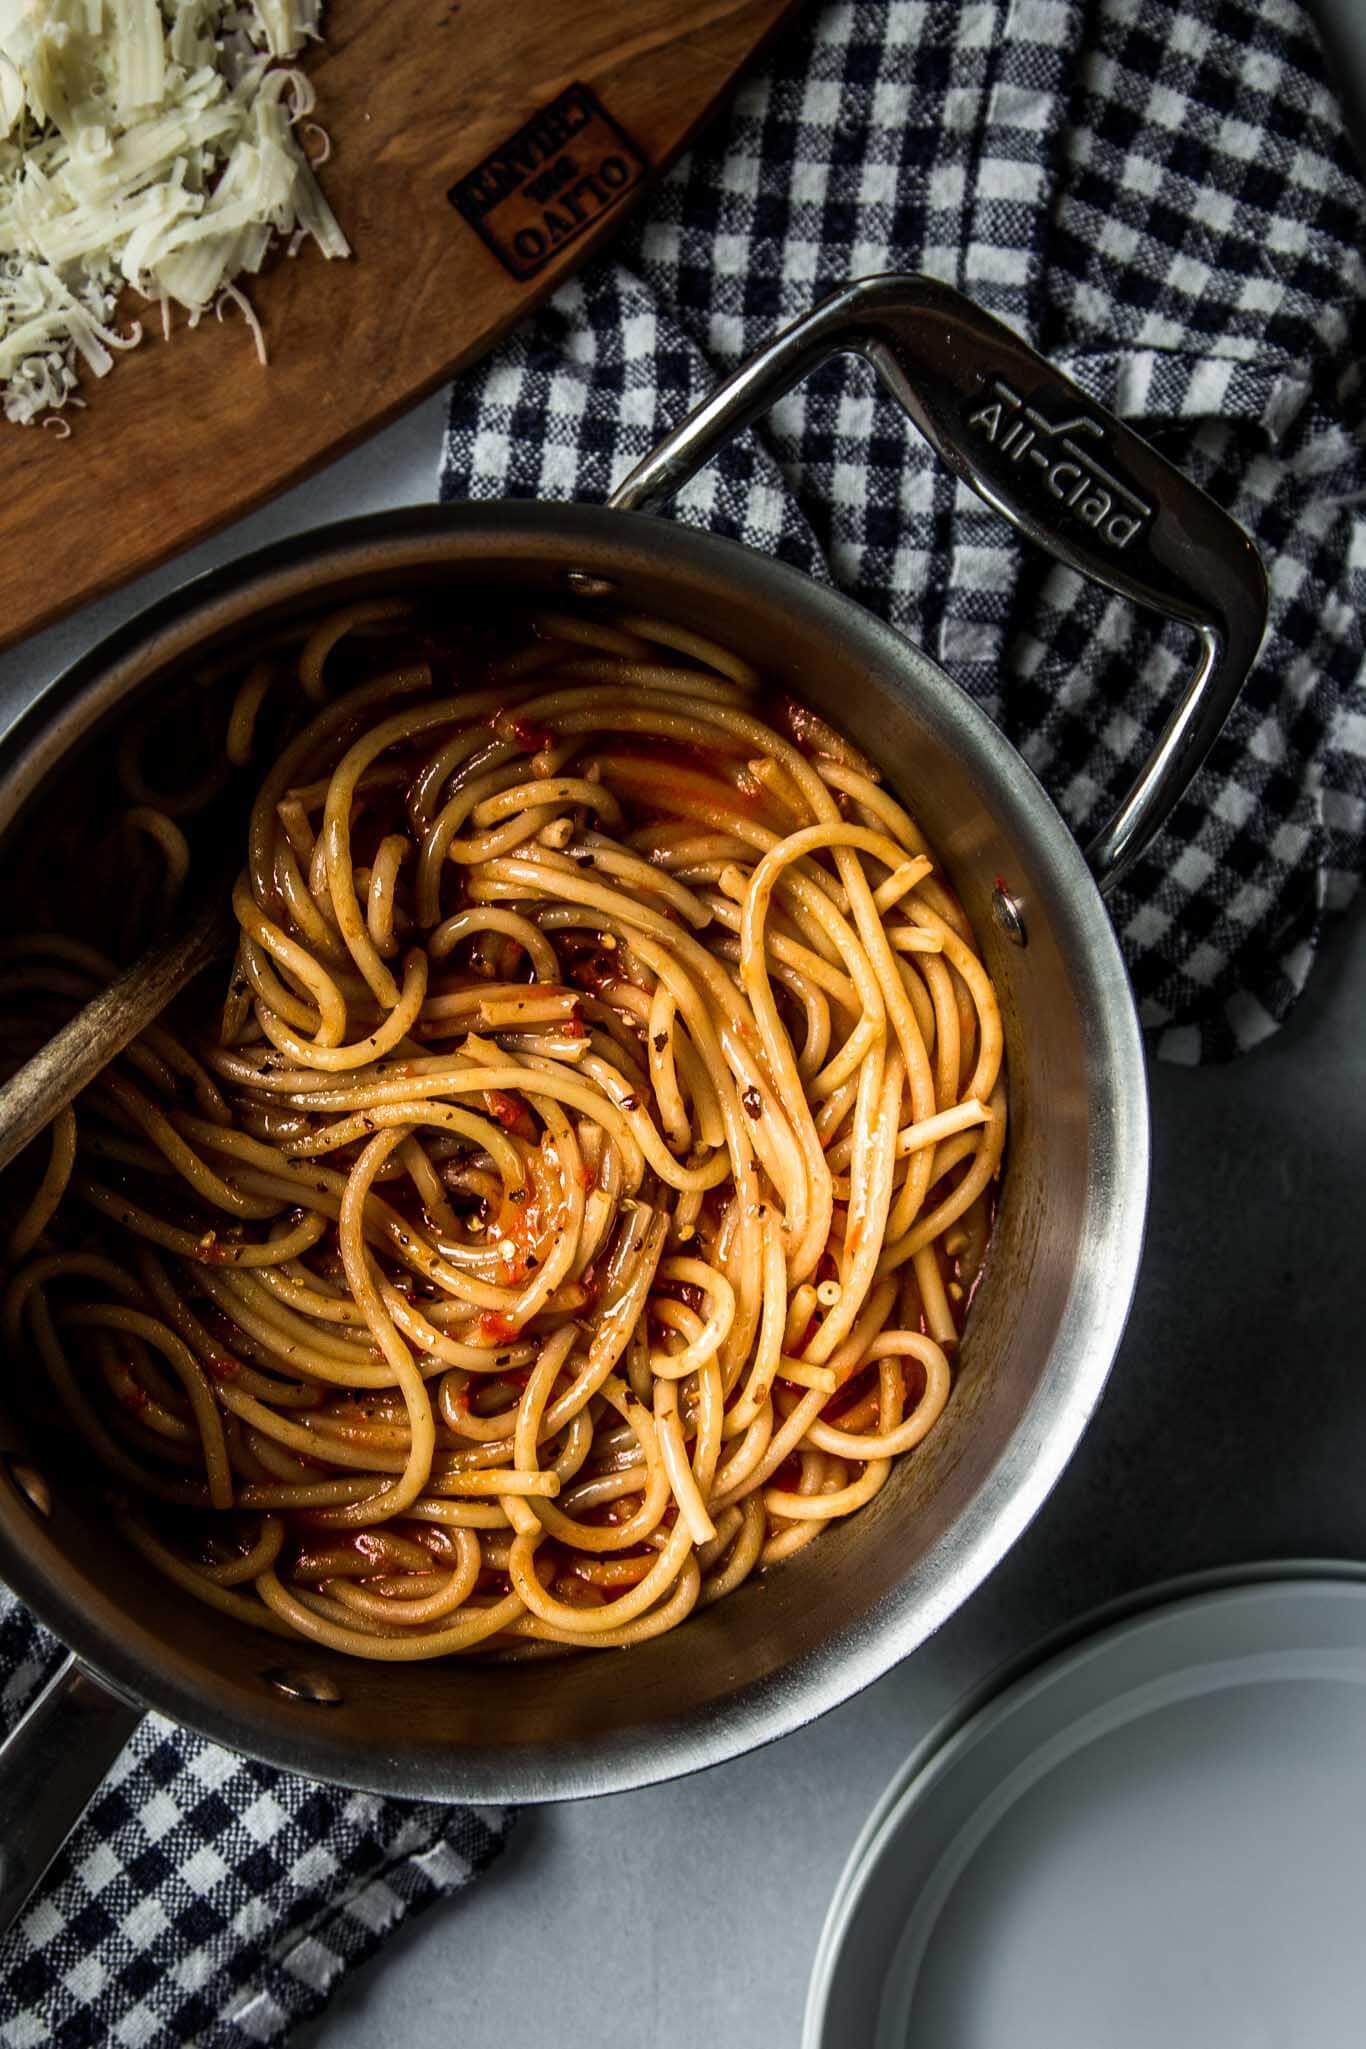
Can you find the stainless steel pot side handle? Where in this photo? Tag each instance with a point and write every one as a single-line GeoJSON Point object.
{"type": "Point", "coordinates": [51, 1766]}
{"type": "Point", "coordinates": [1063, 470]}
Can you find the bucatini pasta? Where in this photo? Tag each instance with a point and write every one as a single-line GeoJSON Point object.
{"type": "Point", "coordinates": [573, 1205]}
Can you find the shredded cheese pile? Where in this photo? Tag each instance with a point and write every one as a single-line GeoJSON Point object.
{"type": "Point", "coordinates": [143, 143]}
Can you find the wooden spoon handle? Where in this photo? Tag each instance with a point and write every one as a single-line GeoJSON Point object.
{"type": "Point", "coordinates": [47, 1083]}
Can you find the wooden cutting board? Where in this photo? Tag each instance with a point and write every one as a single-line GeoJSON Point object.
{"type": "Point", "coordinates": [481, 149]}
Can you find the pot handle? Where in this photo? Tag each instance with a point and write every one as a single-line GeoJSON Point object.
{"type": "Point", "coordinates": [50, 1768]}
{"type": "Point", "coordinates": [1063, 470]}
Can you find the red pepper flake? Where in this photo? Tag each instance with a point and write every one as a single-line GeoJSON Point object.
{"type": "Point", "coordinates": [496, 1327]}
{"type": "Point", "coordinates": [224, 1368]}
{"type": "Point", "coordinates": [530, 737]}
{"type": "Point", "coordinates": [753, 1101]}
{"type": "Point", "coordinates": [510, 1112]}
{"type": "Point", "coordinates": [574, 1026]}
{"type": "Point", "coordinates": [134, 1396]}
{"type": "Point", "coordinates": [588, 1179]}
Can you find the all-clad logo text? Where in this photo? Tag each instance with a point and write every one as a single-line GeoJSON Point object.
{"type": "Point", "coordinates": [1071, 472]}
{"type": "Point", "coordinates": [550, 182]}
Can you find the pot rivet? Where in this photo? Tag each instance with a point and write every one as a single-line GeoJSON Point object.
{"type": "Point", "coordinates": [585, 586]}
{"type": "Point", "coordinates": [314, 1687]}
{"type": "Point", "coordinates": [31, 1485]}
{"type": "Point", "coordinates": [1005, 909]}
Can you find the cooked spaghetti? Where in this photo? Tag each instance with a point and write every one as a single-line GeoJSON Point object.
{"type": "Point", "coordinates": [574, 1204]}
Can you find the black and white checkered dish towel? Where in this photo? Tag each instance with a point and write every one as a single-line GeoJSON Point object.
{"type": "Point", "coordinates": [1163, 198]}
{"type": "Point", "coordinates": [207, 1900]}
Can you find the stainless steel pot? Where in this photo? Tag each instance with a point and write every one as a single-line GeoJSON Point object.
{"type": "Point", "coordinates": [1051, 1309]}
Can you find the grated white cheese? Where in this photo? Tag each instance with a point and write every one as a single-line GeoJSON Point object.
{"type": "Point", "coordinates": [143, 143]}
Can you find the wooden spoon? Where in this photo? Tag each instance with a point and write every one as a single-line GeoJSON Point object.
{"type": "Point", "coordinates": [110, 1021]}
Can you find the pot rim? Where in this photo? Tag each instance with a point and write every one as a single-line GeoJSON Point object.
{"type": "Point", "coordinates": [599, 541]}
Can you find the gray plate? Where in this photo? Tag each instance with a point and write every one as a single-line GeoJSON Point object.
{"type": "Point", "coordinates": [1157, 1834]}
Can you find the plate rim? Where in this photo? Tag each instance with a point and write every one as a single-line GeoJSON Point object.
{"type": "Point", "coordinates": [1108, 1620]}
